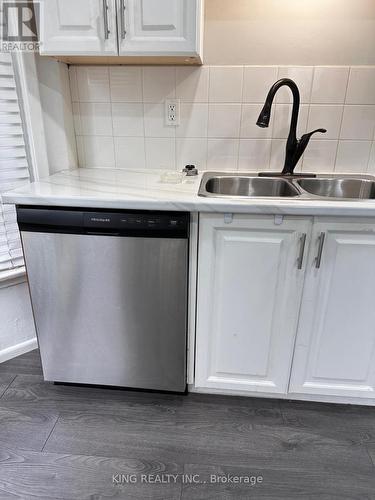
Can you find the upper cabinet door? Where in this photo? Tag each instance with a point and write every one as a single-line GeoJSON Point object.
{"type": "Point", "coordinates": [78, 27]}
{"type": "Point", "coordinates": [160, 28]}
{"type": "Point", "coordinates": [335, 346]}
{"type": "Point", "coordinates": [250, 280]}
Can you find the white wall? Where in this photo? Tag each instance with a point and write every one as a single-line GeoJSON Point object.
{"type": "Point", "coordinates": [307, 32]}
{"type": "Point", "coordinates": [57, 114]}
{"type": "Point", "coordinates": [17, 332]}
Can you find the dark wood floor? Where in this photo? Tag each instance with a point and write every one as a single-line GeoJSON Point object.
{"type": "Point", "coordinates": [66, 442]}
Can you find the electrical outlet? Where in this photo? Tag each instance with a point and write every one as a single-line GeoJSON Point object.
{"type": "Point", "coordinates": [172, 112]}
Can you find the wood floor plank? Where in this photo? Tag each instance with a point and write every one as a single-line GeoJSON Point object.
{"type": "Point", "coordinates": [33, 391]}
{"type": "Point", "coordinates": [31, 475]}
{"type": "Point", "coordinates": [28, 364]}
{"type": "Point", "coordinates": [25, 428]}
{"type": "Point", "coordinates": [302, 450]}
{"type": "Point", "coordinates": [277, 484]}
{"type": "Point", "coordinates": [217, 443]}
{"type": "Point", "coordinates": [5, 380]}
{"type": "Point", "coordinates": [339, 423]}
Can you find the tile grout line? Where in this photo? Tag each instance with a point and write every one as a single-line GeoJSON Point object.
{"type": "Point", "coordinates": [179, 110]}
{"type": "Point", "coordinates": [143, 117]}
{"type": "Point", "coordinates": [308, 113]}
{"type": "Point", "coordinates": [241, 111]}
{"type": "Point", "coordinates": [110, 108]}
{"type": "Point", "coordinates": [208, 113]}
{"type": "Point", "coordinates": [342, 118]}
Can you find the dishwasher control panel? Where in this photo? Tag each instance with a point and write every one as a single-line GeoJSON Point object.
{"type": "Point", "coordinates": [107, 222]}
{"type": "Point", "coordinates": [133, 221]}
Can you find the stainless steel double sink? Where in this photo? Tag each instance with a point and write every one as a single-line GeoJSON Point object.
{"type": "Point", "coordinates": [243, 185]}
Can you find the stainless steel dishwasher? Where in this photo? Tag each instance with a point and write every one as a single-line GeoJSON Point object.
{"type": "Point", "coordinates": [109, 294]}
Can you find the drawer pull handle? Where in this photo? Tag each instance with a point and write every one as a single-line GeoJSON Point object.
{"type": "Point", "coordinates": [122, 19]}
{"type": "Point", "coordinates": [301, 251]}
{"type": "Point", "coordinates": [318, 259]}
{"type": "Point", "coordinates": [105, 17]}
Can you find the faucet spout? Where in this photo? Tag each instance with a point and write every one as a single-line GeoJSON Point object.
{"type": "Point", "coordinates": [294, 147]}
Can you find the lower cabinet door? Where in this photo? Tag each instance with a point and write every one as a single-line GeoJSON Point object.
{"type": "Point", "coordinates": [250, 278]}
{"type": "Point", "coordinates": [335, 345]}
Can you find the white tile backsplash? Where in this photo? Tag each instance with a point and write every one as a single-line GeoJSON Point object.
{"type": "Point", "coordinates": [224, 120]}
{"type": "Point", "coordinates": [130, 152]}
{"type": "Point", "coordinates": [99, 151]}
{"type": "Point", "coordinates": [254, 154]}
{"type": "Point", "coordinates": [126, 84]}
{"type": "Point", "coordinates": [190, 151]}
{"type": "Point", "coordinates": [361, 87]}
{"type": "Point", "coordinates": [277, 155]}
{"type": "Point", "coordinates": [320, 156]}
{"type": "Point", "coordinates": [329, 85]}
{"type": "Point", "coordinates": [222, 154]}
{"type": "Point", "coordinates": [192, 83]}
{"type": "Point", "coordinates": [193, 120]}
{"type": "Point", "coordinates": [77, 118]}
{"type": "Point", "coordinates": [371, 163]}
{"type": "Point", "coordinates": [353, 156]}
{"type": "Point", "coordinates": [159, 83]}
{"type": "Point", "coordinates": [119, 117]}
{"type": "Point", "coordinates": [160, 153]}
{"type": "Point", "coordinates": [93, 83]}
{"type": "Point", "coordinates": [127, 118]}
{"type": "Point", "coordinates": [155, 123]}
{"type": "Point", "coordinates": [95, 118]}
{"type": "Point", "coordinates": [225, 84]}
{"type": "Point", "coordinates": [303, 76]}
{"type": "Point", "coordinates": [257, 82]}
{"type": "Point", "coordinates": [326, 116]}
{"type": "Point", "coordinates": [73, 83]}
{"type": "Point", "coordinates": [358, 122]}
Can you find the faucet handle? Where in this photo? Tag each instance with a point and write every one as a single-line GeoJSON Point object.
{"type": "Point", "coordinates": [307, 137]}
{"type": "Point", "coordinates": [303, 142]}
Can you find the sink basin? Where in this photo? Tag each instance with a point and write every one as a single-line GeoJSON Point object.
{"type": "Point", "coordinates": [245, 186]}
{"type": "Point", "coordinates": [339, 187]}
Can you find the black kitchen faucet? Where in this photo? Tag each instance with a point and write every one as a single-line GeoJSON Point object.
{"type": "Point", "coordinates": [294, 147]}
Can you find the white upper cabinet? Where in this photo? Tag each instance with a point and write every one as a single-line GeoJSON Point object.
{"type": "Point", "coordinates": [130, 28]}
{"type": "Point", "coordinates": [163, 27]}
{"type": "Point", "coordinates": [335, 346]}
{"type": "Point", "coordinates": [250, 280]}
{"type": "Point", "coordinates": [78, 27]}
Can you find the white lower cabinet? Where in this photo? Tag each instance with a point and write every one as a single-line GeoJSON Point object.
{"type": "Point", "coordinates": [335, 345]}
{"type": "Point", "coordinates": [249, 291]}
{"type": "Point", "coordinates": [264, 325]}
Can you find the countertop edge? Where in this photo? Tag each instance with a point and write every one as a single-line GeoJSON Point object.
{"type": "Point", "coordinates": [204, 205]}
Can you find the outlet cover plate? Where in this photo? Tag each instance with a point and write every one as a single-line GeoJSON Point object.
{"type": "Point", "coordinates": [172, 112]}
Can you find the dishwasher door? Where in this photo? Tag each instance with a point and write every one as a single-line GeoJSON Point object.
{"type": "Point", "coordinates": [109, 310]}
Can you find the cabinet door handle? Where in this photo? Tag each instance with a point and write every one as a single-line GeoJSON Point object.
{"type": "Point", "coordinates": [122, 19]}
{"type": "Point", "coordinates": [301, 251]}
{"type": "Point", "coordinates": [320, 250]}
{"type": "Point", "coordinates": [105, 18]}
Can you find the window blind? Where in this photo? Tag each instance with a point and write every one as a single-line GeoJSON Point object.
{"type": "Point", "coordinates": [14, 169]}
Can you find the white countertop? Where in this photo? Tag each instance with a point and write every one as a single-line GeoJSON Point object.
{"type": "Point", "coordinates": [144, 190]}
